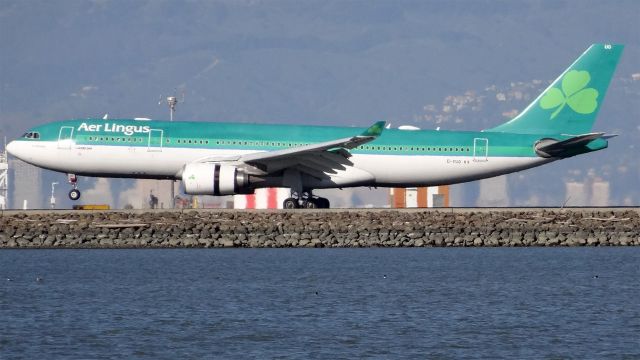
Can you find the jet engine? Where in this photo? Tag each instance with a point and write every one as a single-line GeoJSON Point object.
{"type": "Point", "coordinates": [214, 179]}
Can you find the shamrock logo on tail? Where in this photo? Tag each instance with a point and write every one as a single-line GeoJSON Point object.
{"type": "Point", "coordinates": [574, 93]}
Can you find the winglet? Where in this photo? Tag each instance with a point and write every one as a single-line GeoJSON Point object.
{"type": "Point", "coordinates": [374, 130]}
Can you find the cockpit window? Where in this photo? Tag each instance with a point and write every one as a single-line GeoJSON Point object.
{"type": "Point", "coordinates": [31, 135]}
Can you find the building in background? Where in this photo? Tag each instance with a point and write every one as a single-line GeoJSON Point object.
{"type": "Point", "coordinates": [593, 191]}
{"type": "Point", "coordinates": [576, 193]}
{"type": "Point", "coordinates": [494, 192]}
{"type": "Point", "coordinates": [265, 198]}
{"type": "Point", "coordinates": [147, 194]}
{"type": "Point", "coordinates": [4, 180]}
{"type": "Point", "coordinates": [600, 193]}
{"type": "Point", "coordinates": [420, 197]}
{"type": "Point", "coordinates": [26, 183]}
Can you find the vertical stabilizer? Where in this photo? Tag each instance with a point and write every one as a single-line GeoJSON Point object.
{"type": "Point", "coordinates": [571, 103]}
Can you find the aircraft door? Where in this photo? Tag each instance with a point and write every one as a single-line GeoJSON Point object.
{"type": "Point", "coordinates": [65, 137]}
{"type": "Point", "coordinates": [155, 140]}
{"type": "Point", "coordinates": [480, 149]}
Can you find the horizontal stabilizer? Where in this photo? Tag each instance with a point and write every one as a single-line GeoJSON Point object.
{"type": "Point", "coordinates": [554, 148]}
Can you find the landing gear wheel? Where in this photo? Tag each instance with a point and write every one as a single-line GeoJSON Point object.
{"type": "Point", "coordinates": [323, 203]}
{"type": "Point", "coordinates": [74, 194]}
{"type": "Point", "coordinates": [310, 204]}
{"type": "Point", "coordinates": [290, 203]}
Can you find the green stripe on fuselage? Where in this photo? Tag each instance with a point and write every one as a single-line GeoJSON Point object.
{"type": "Point", "coordinates": [261, 137]}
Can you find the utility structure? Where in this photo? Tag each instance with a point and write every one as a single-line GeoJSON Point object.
{"type": "Point", "coordinates": [172, 101]}
{"type": "Point", "coordinates": [4, 178]}
{"type": "Point", "coordinates": [52, 200]}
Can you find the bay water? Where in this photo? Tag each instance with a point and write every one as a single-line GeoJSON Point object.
{"type": "Point", "coordinates": [475, 303]}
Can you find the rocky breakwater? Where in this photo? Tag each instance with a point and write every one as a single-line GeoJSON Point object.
{"type": "Point", "coordinates": [358, 228]}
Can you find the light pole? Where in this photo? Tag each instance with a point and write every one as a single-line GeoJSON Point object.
{"type": "Point", "coordinates": [172, 101]}
{"type": "Point", "coordinates": [53, 198]}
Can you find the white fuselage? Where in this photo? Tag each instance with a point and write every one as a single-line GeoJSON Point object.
{"type": "Point", "coordinates": [167, 163]}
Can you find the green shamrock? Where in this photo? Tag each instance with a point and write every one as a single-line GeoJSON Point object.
{"type": "Point", "coordinates": [573, 93]}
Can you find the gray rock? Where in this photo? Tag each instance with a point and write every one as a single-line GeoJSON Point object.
{"type": "Point", "coordinates": [190, 242]}
{"type": "Point", "coordinates": [226, 243]}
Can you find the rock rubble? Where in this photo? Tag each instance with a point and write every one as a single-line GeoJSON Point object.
{"type": "Point", "coordinates": [349, 228]}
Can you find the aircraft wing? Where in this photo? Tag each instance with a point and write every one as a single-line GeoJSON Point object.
{"type": "Point", "coordinates": [314, 159]}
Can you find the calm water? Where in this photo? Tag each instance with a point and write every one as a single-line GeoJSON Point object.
{"type": "Point", "coordinates": [321, 303]}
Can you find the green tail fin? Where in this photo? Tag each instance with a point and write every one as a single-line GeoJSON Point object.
{"type": "Point", "coordinates": [571, 103]}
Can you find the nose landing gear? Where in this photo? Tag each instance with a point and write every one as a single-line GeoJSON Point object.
{"type": "Point", "coordinates": [74, 194]}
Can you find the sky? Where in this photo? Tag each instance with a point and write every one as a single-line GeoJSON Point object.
{"type": "Point", "coordinates": [320, 62]}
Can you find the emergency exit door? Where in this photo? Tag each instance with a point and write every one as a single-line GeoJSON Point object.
{"type": "Point", "coordinates": [480, 149]}
{"type": "Point", "coordinates": [65, 137]}
{"type": "Point", "coordinates": [155, 140]}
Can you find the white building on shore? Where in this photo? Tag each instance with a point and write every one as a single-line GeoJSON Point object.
{"type": "Point", "coordinates": [26, 186]}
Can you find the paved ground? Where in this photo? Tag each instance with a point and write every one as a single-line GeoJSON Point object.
{"type": "Point", "coordinates": [453, 210]}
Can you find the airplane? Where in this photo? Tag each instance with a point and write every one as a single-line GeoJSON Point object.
{"type": "Point", "coordinates": [216, 158]}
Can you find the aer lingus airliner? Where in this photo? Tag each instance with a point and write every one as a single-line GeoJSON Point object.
{"type": "Point", "coordinates": [215, 158]}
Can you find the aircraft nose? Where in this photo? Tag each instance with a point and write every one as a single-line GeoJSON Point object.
{"type": "Point", "coordinates": [11, 148]}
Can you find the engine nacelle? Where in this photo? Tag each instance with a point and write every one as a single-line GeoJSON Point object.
{"type": "Point", "coordinates": [214, 179]}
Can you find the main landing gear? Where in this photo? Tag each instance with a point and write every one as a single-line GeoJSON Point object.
{"type": "Point", "coordinates": [306, 201]}
{"type": "Point", "coordinates": [74, 194]}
